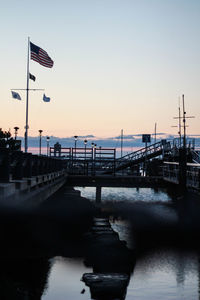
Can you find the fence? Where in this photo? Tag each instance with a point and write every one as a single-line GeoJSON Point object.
{"type": "Point", "coordinates": [15, 165]}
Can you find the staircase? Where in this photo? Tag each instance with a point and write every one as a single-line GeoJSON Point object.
{"type": "Point", "coordinates": [195, 156]}
{"type": "Point", "coordinates": [139, 156]}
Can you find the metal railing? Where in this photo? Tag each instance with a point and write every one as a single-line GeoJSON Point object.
{"type": "Point", "coordinates": [146, 153]}
{"type": "Point", "coordinates": [171, 174]}
{"type": "Point", "coordinates": [195, 156]}
{"type": "Point", "coordinates": [15, 165]}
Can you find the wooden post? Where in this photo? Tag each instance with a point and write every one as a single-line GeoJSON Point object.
{"type": "Point", "coordinates": [98, 194]}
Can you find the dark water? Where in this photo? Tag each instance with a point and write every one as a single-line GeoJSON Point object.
{"type": "Point", "coordinates": [44, 252]}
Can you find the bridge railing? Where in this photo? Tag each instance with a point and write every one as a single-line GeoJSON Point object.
{"type": "Point", "coordinates": [15, 165]}
{"type": "Point", "coordinates": [171, 174]}
{"type": "Point", "coordinates": [193, 175]}
{"type": "Point", "coordinates": [145, 153]}
{"type": "Point", "coordinates": [195, 156]}
{"type": "Point", "coordinates": [86, 160]}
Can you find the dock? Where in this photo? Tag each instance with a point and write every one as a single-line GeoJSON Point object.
{"type": "Point", "coordinates": [27, 177]}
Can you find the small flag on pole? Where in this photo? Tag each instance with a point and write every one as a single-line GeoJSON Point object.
{"type": "Point", "coordinates": [40, 56]}
{"type": "Point", "coordinates": [32, 77]}
{"type": "Point", "coordinates": [46, 99]}
{"type": "Point", "coordinates": [16, 95]}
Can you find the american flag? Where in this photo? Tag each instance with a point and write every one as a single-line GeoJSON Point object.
{"type": "Point", "coordinates": [41, 56]}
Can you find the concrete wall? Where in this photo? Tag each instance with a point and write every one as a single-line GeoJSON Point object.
{"type": "Point", "coordinates": [31, 191]}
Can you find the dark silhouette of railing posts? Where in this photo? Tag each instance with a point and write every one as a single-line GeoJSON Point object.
{"type": "Point", "coordinates": [27, 165]}
{"type": "Point", "coordinates": [5, 165]}
{"type": "Point", "coordinates": [16, 165]}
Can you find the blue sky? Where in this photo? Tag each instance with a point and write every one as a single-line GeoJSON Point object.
{"type": "Point", "coordinates": [118, 64]}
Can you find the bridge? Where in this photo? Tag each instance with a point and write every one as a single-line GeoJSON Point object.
{"type": "Point", "coordinates": [26, 176]}
{"type": "Point", "coordinates": [98, 161]}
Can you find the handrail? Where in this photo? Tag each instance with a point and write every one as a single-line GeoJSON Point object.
{"type": "Point", "coordinates": [139, 151]}
{"type": "Point", "coordinates": [142, 153]}
{"type": "Point", "coordinates": [196, 156]}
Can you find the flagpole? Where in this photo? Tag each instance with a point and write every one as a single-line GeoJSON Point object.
{"type": "Point", "coordinates": [27, 94]}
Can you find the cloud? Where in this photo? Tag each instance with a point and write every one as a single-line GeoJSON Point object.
{"type": "Point", "coordinates": [131, 140]}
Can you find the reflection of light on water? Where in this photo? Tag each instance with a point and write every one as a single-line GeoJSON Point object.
{"type": "Point", "coordinates": [125, 194]}
{"type": "Point", "coordinates": [124, 230]}
{"type": "Point", "coordinates": [64, 280]}
{"type": "Point", "coordinates": [158, 277]}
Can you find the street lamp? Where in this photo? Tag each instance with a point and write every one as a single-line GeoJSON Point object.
{"type": "Point", "coordinates": [48, 139]}
{"type": "Point", "coordinates": [75, 141]}
{"type": "Point", "coordinates": [85, 142]}
{"type": "Point", "coordinates": [16, 130]}
{"type": "Point", "coordinates": [100, 154]}
{"type": "Point", "coordinates": [40, 141]}
{"type": "Point", "coordinates": [92, 144]}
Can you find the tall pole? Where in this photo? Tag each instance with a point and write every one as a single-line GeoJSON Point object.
{"type": "Point", "coordinates": [40, 140]}
{"type": "Point", "coordinates": [92, 144]}
{"type": "Point", "coordinates": [183, 155]}
{"type": "Point", "coordinates": [184, 127]}
{"type": "Point", "coordinates": [155, 133]}
{"type": "Point", "coordinates": [48, 138]}
{"type": "Point", "coordinates": [75, 141]}
{"type": "Point", "coordinates": [179, 124]}
{"type": "Point", "coordinates": [85, 143]}
{"type": "Point", "coordinates": [27, 94]}
{"type": "Point", "coordinates": [121, 142]}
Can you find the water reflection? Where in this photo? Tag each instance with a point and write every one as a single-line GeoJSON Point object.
{"type": "Point", "coordinates": [64, 280]}
{"type": "Point", "coordinates": [165, 274]}
{"type": "Point", "coordinates": [158, 274]}
{"type": "Point", "coordinates": [44, 253]}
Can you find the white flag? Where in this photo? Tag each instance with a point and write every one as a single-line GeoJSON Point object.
{"type": "Point", "coordinates": [46, 99]}
{"type": "Point", "coordinates": [16, 95]}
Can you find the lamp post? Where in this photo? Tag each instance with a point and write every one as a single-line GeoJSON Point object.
{"type": "Point", "coordinates": [48, 139]}
{"type": "Point", "coordinates": [40, 140]}
{"type": "Point", "coordinates": [85, 164]}
{"type": "Point", "coordinates": [100, 155]}
{"type": "Point", "coordinates": [85, 143]}
{"type": "Point", "coordinates": [16, 130]}
{"type": "Point", "coordinates": [75, 141]}
{"type": "Point", "coordinates": [95, 146]}
{"type": "Point", "coordinates": [92, 144]}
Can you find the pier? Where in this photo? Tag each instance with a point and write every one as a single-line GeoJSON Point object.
{"type": "Point", "coordinates": [27, 179]}
{"type": "Point", "coordinates": [26, 176]}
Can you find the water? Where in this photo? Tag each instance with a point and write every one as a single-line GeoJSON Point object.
{"type": "Point", "coordinates": [49, 263]}
{"type": "Point", "coordinates": [64, 280]}
{"type": "Point", "coordinates": [126, 194]}
{"type": "Point", "coordinates": [165, 274]}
